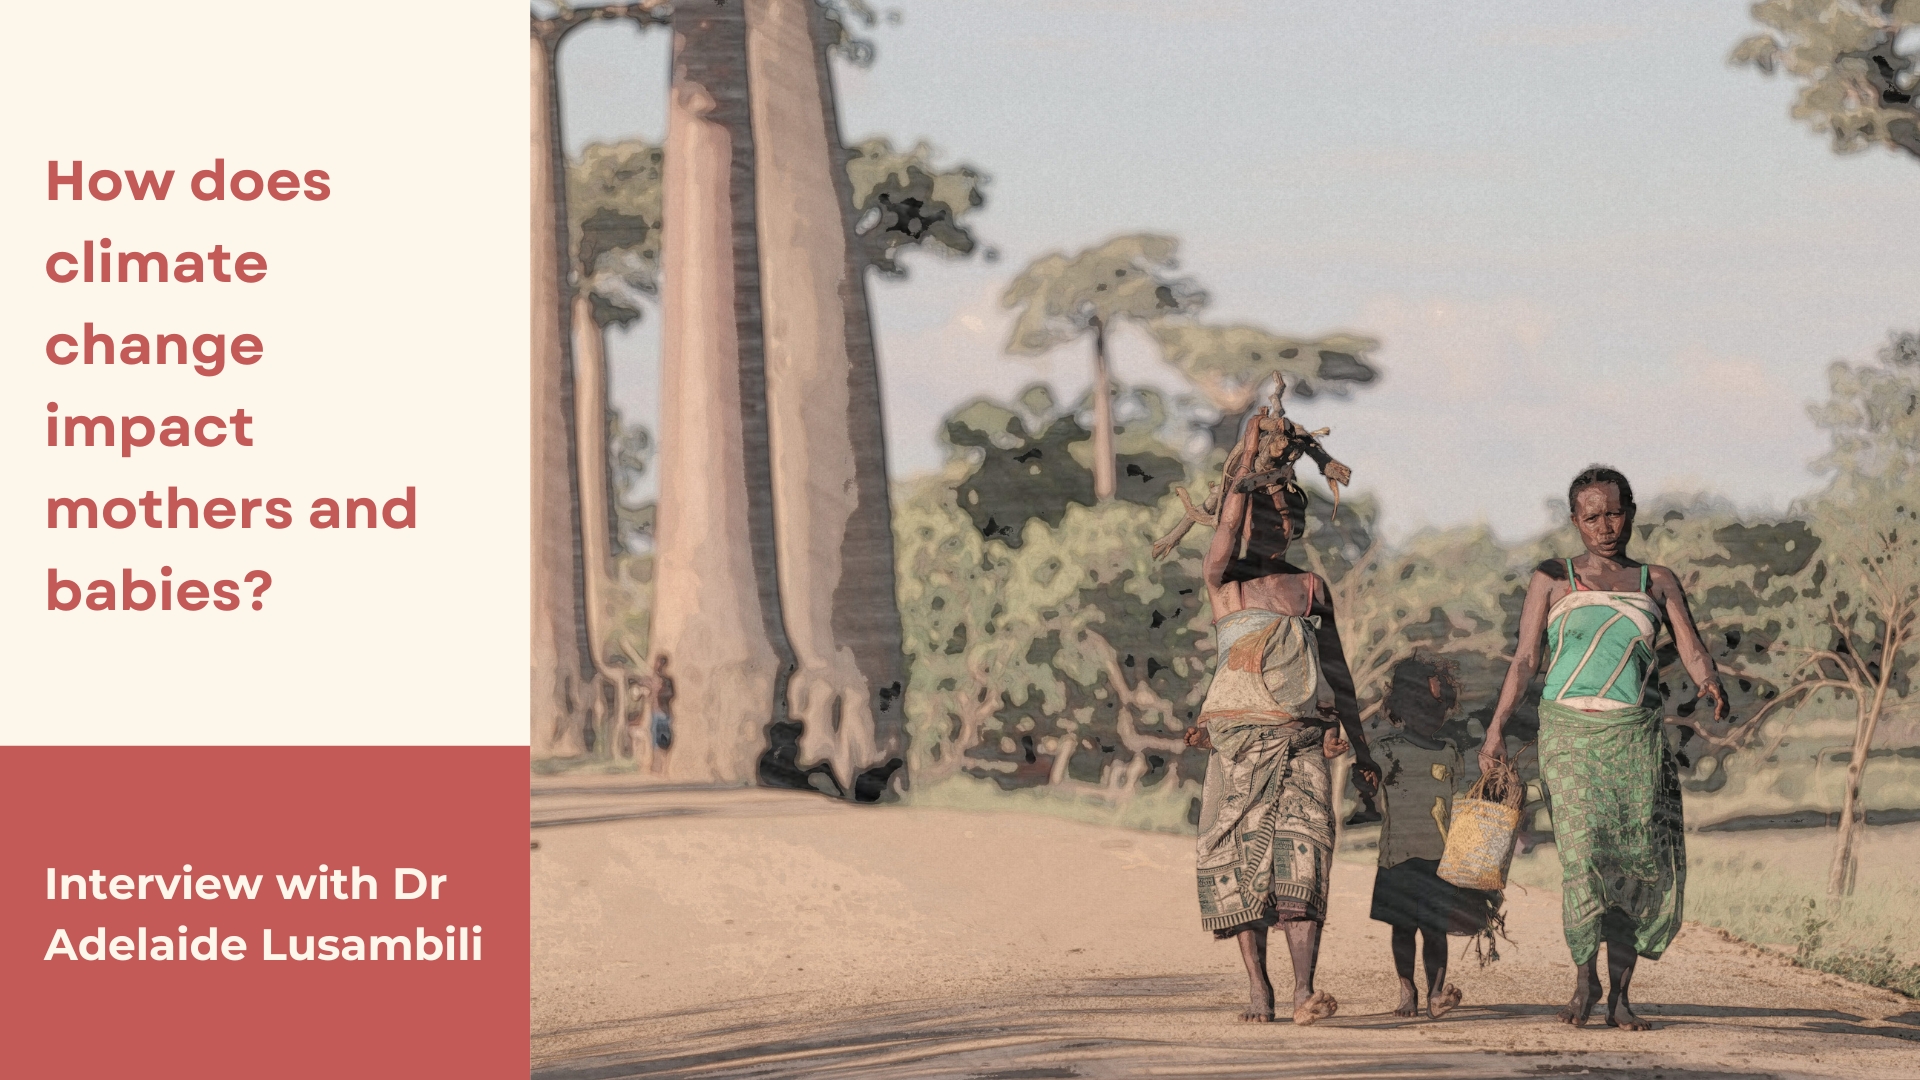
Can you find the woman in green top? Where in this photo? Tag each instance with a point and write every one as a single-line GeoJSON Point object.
{"type": "Point", "coordinates": [1614, 788]}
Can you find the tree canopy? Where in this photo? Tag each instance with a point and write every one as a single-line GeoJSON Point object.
{"type": "Point", "coordinates": [1228, 363]}
{"type": "Point", "coordinates": [903, 200]}
{"type": "Point", "coordinates": [1855, 83]}
{"type": "Point", "coordinates": [1128, 277]}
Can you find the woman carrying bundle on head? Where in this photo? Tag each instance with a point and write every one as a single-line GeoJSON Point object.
{"type": "Point", "coordinates": [1266, 818]}
{"type": "Point", "coordinates": [1603, 757]}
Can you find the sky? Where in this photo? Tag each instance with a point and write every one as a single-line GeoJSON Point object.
{"type": "Point", "coordinates": [1579, 234]}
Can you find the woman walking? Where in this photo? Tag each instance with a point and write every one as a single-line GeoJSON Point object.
{"type": "Point", "coordinates": [1614, 787]}
{"type": "Point", "coordinates": [1265, 847]}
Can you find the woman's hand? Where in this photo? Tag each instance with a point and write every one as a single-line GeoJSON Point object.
{"type": "Point", "coordinates": [1492, 750]}
{"type": "Point", "coordinates": [1718, 693]}
{"type": "Point", "coordinates": [1196, 736]}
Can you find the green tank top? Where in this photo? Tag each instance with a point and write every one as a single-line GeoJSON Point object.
{"type": "Point", "coordinates": [1603, 648]}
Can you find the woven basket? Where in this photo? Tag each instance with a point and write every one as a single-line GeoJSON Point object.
{"type": "Point", "coordinates": [1480, 835]}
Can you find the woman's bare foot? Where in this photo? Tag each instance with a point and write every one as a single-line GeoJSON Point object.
{"type": "Point", "coordinates": [1442, 1003]}
{"type": "Point", "coordinates": [1409, 999]}
{"type": "Point", "coordinates": [1621, 960]}
{"type": "Point", "coordinates": [1586, 992]}
{"type": "Point", "coordinates": [1259, 1004]}
{"type": "Point", "coordinates": [1253, 951]}
{"type": "Point", "coordinates": [1317, 1007]}
{"type": "Point", "coordinates": [1621, 1016]}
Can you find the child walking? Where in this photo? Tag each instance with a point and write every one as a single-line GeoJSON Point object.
{"type": "Point", "coordinates": [1421, 774]}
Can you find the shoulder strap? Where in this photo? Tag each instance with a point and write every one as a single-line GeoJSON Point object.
{"type": "Point", "coordinates": [1572, 581]}
{"type": "Point", "coordinates": [1644, 570]}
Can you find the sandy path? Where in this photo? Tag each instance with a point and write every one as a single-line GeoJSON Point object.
{"type": "Point", "coordinates": [755, 933]}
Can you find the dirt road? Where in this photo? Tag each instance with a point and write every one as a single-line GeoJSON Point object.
{"type": "Point", "coordinates": [753, 933]}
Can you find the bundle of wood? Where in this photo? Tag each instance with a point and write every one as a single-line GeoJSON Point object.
{"type": "Point", "coordinates": [1266, 467]}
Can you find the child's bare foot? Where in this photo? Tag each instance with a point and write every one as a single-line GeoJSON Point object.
{"type": "Point", "coordinates": [1621, 1016]}
{"type": "Point", "coordinates": [1409, 999]}
{"type": "Point", "coordinates": [1442, 1003]}
{"type": "Point", "coordinates": [1586, 992]}
{"type": "Point", "coordinates": [1317, 1007]}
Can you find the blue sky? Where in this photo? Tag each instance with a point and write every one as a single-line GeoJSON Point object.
{"type": "Point", "coordinates": [1579, 234]}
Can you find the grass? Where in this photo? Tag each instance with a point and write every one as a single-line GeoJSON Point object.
{"type": "Point", "coordinates": [1875, 967]}
{"type": "Point", "coordinates": [1771, 887]}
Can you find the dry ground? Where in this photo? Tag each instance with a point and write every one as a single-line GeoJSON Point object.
{"type": "Point", "coordinates": [682, 933]}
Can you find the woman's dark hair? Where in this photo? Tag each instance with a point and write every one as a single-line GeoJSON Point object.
{"type": "Point", "coordinates": [1599, 474]}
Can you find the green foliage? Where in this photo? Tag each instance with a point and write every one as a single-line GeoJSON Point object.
{"type": "Point", "coordinates": [629, 451]}
{"type": "Point", "coordinates": [1441, 589]}
{"type": "Point", "coordinates": [902, 200]}
{"type": "Point", "coordinates": [1070, 659]}
{"type": "Point", "coordinates": [1030, 462]}
{"type": "Point", "coordinates": [1855, 83]}
{"type": "Point", "coordinates": [613, 207]}
{"type": "Point", "coordinates": [1228, 363]}
{"type": "Point", "coordinates": [1849, 643]}
{"type": "Point", "coordinates": [1047, 647]}
{"type": "Point", "coordinates": [1128, 277]}
{"type": "Point", "coordinates": [629, 602]}
{"type": "Point", "coordinates": [1746, 580]}
{"type": "Point", "coordinates": [1872, 417]}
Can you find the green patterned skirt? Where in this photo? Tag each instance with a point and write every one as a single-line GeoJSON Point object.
{"type": "Point", "coordinates": [1616, 821]}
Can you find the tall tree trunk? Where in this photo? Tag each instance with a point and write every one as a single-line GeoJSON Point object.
{"type": "Point", "coordinates": [716, 612]}
{"type": "Point", "coordinates": [1104, 483]}
{"type": "Point", "coordinates": [833, 520]}
{"type": "Point", "coordinates": [596, 513]}
{"type": "Point", "coordinates": [559, 662]}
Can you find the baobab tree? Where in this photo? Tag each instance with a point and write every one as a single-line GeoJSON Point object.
{"type": "Point", "coordinates": [1061, 299]}
{"type": "Point", "coordinates": [716, 602]}
{"type": "Point", "coordinates": [565, 681]}
{"type": "Point", "coordinates": [559, 653]}
{"type": "Point", "coordinates": [720, 568]}
{"type": "Point", "coordinates": [833, 520]}
{"type": "Point", "coordinates": [613, 201]}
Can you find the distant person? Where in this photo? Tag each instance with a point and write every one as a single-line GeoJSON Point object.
{"type": "Point", "coordinates": [1422, 774]}
{"type": "Point", "coordinates": [660, 732]}
{"type": "Point", "coordinates": [1265, 848]}
{"type": "Point", "coordinates": [1614, 787]}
